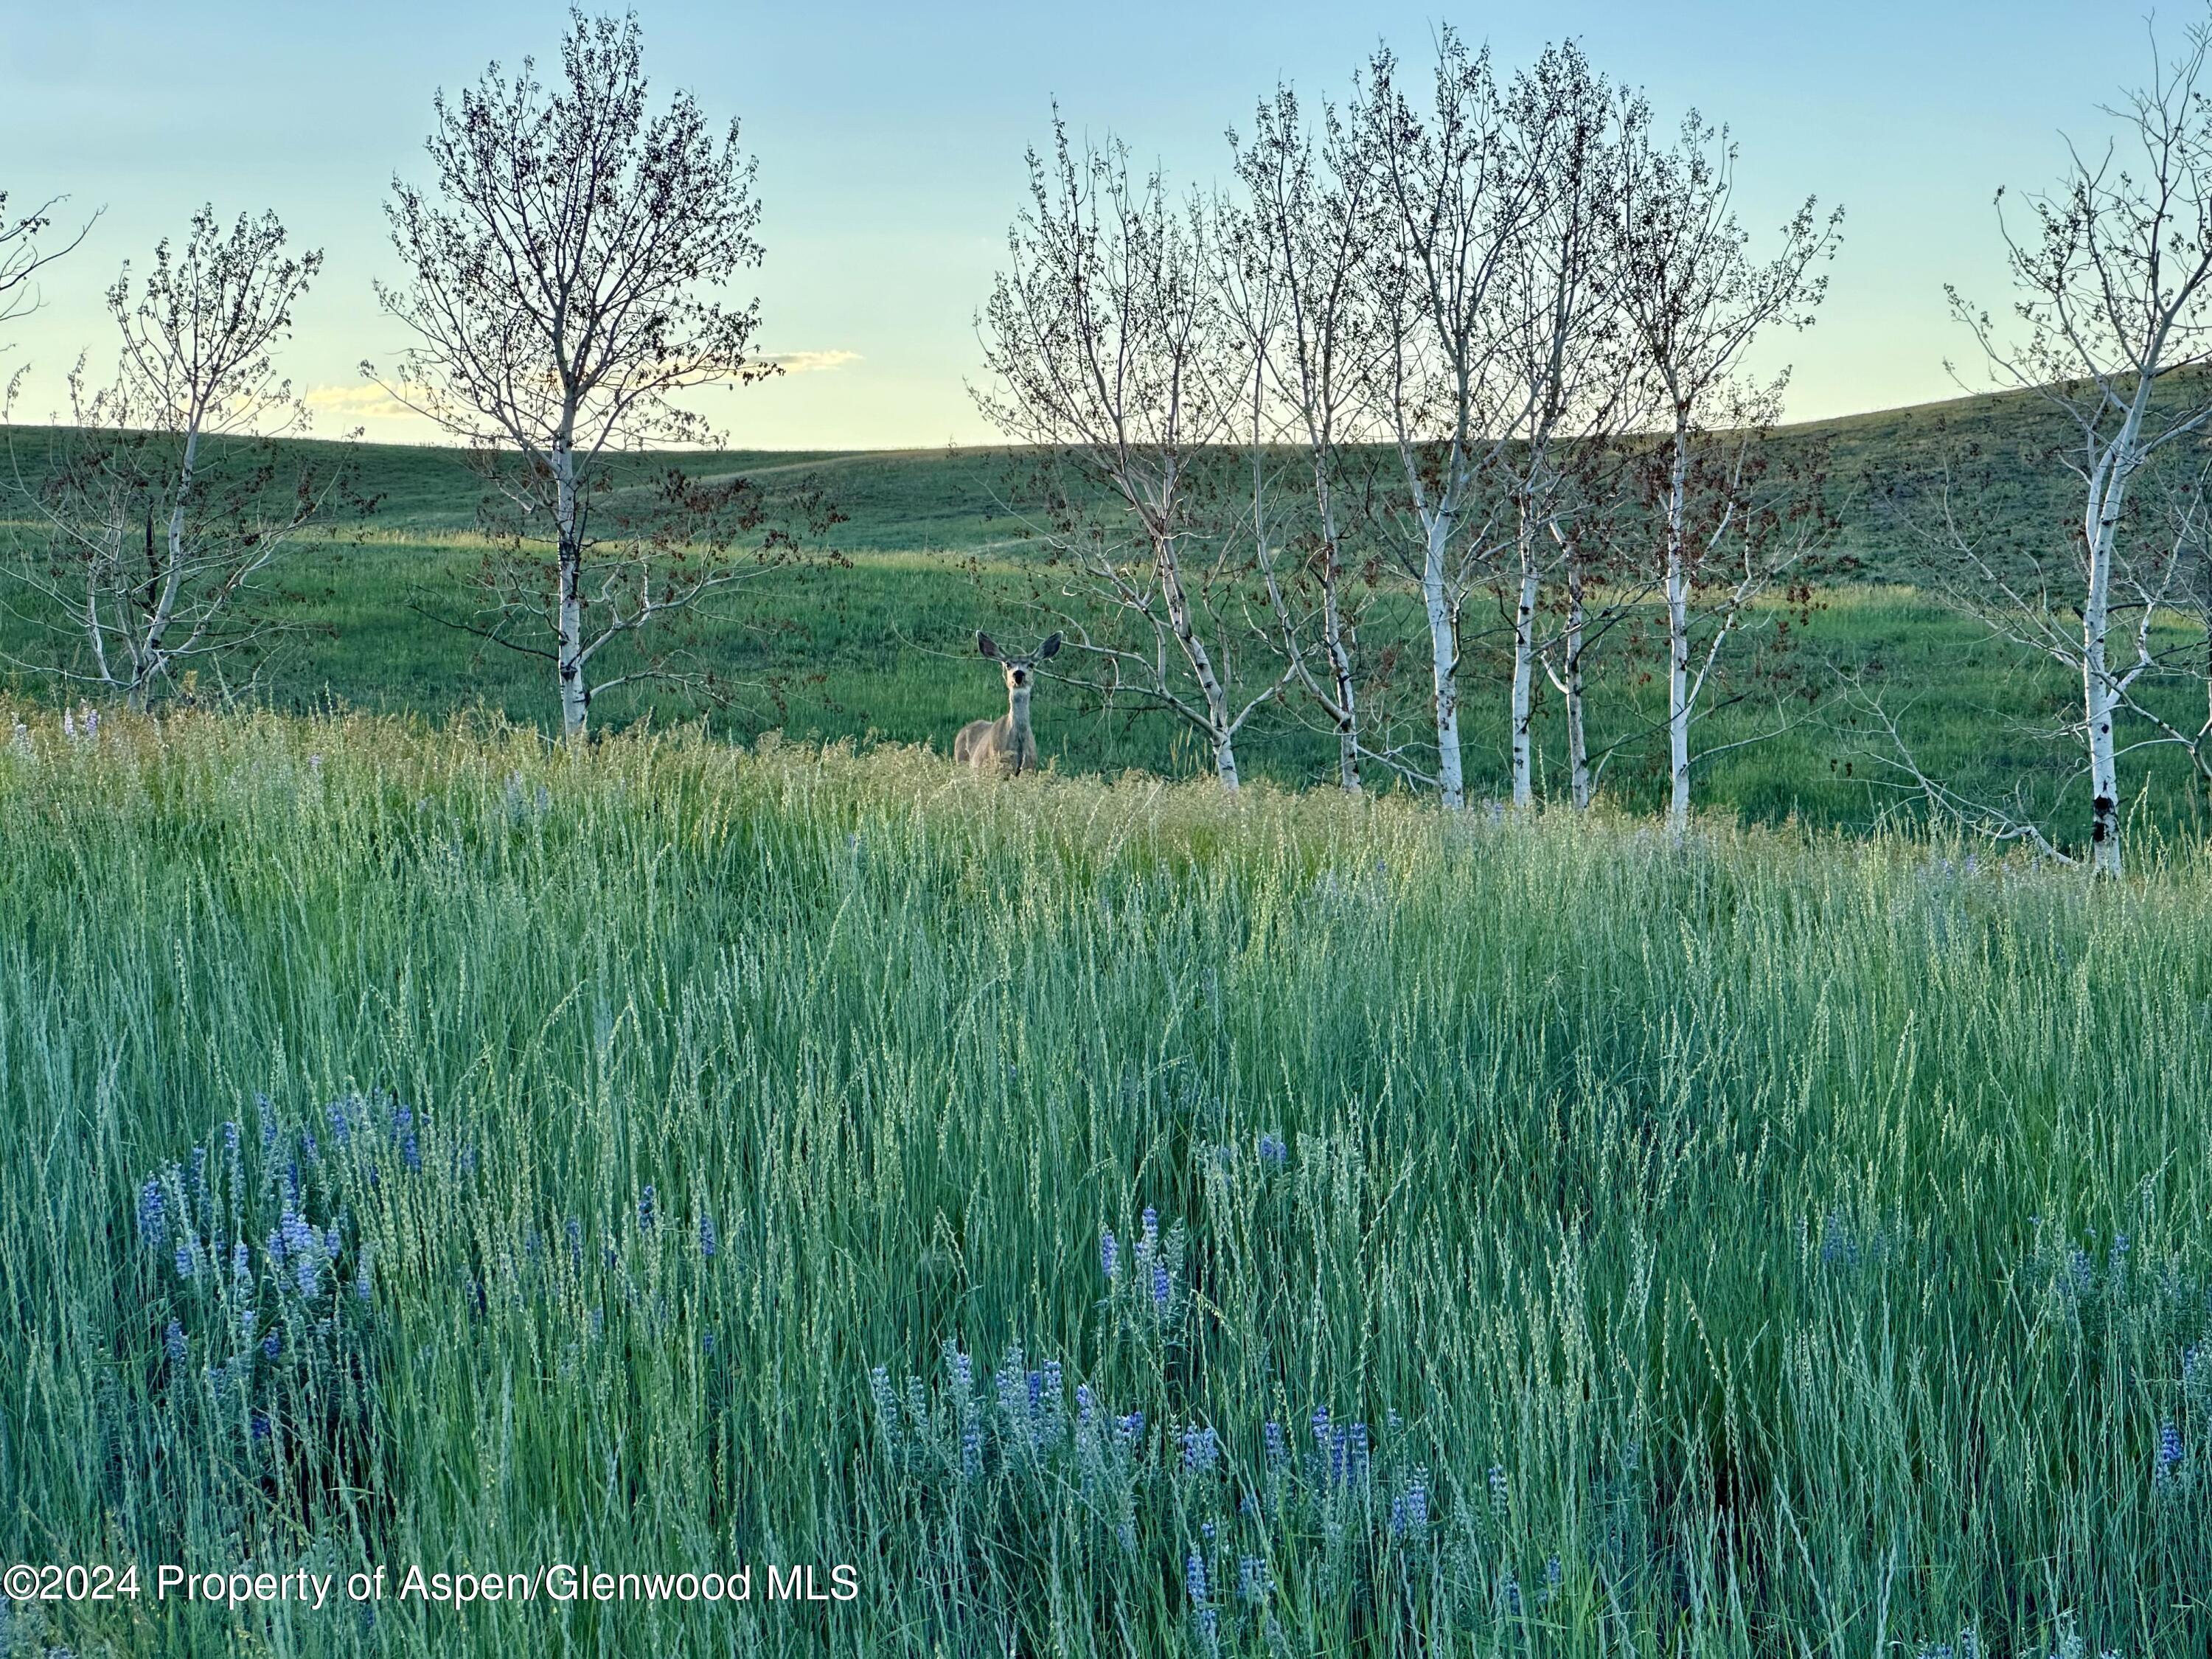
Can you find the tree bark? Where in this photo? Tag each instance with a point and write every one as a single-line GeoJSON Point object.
{"type": "Point", "coordinates": [1200, 660]}
{"type": "Point", "coordinates": [1579, 769]}
{"type": "Point", "coordinates": [1337, 646]}
{"type": "Point", "coordinates": [2099, 696]}
{"type": "Point", "coordinates": [1444, 662]}
{"type": "Point", "coordinates": [1678, 637]}
{"type": "Point", "coordinates": [1525, 666]}
{"type": "Point", "coordinates": [568, 621]}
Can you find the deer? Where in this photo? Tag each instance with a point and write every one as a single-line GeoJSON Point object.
{"type": "Point", "coordinates": [1005, 745]}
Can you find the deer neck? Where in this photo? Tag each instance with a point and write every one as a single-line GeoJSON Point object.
{"type": "Point", "coordinates": [1017, 712]}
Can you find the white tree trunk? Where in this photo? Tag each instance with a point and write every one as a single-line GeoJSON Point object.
{"type": "Point", "coordinates": [1678, 639]}
{"type": "Point", "coordinates": [1524, 669]}
{"type": "Point", "coordinates": [1219, 725]}
{"type": "Point", "coordinates": [1578, 768]}
{"type": "Point", "coordinates": [1337, 645]}
{"type": "Point", "coordinates": [1443, 663]}
{"type": "Point", "coordinates": [152, 659]}
{"type": "Point", "coordinates": [2099, 695]}
{"type": "Point", "coordinates": [569, 620]}
{"type": "Point", "coordinates": [1225, 761]}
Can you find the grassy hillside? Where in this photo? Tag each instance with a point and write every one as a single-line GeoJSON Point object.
{"type": "Point", "coordinates": [1528, 1239]}
{"type": "Point", "coordinates": [874, 639]}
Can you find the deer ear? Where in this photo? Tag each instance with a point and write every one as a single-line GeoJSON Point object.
{"type": "Point", "coordinates": [1050, 647]}
{"type": "Point", "coordinates": [984, 645]}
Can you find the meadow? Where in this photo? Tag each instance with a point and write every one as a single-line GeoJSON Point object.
{"type": "Point", "coordinates": [1110, 1217]}
{"type": "Point", "coordinates": [868, 636]}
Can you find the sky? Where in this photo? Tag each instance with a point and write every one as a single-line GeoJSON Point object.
{"type": "Point", "coordinates": [891, 139]}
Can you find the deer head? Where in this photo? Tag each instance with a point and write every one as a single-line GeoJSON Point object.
{"type": "Point", "coordinates": [1019, 671]}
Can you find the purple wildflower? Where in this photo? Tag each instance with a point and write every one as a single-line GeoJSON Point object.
{"type": "Point", "coordinates": [1251, 1579]}
{"type": "Point", "coordinates": [153, 1215]}
{"type": "Point", "coordinates": [1202, 1449]}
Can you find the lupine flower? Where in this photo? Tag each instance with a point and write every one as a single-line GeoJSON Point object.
{"type": "Point", "coordinates": [1130, 1427]}
{"type": "Point", "coordinates": [1193, 1578]}
{"type": "Point", "coordinates": [1409, 1511]}
{"type": "Point", "coordinates": [971, 1451]}
{"type": "Point", "coordinates": [645, 1209]}
{"type": "Point", "coordinates": [153, 1214]}
{"type": "Point", "coordinates": [1202, 1449]}
{"type": "Point", "coordinates": [1554, 1577]}
{"type": "Point", "coordinates": [184, 1258]}
{"type": "Point", "coordinates": [1498, 1488]}
{"type": "Point", "coordinates": [403, 1126]}
{"type": "Point", "coordinates": [709, 1241]}
{"type": "Point", "coordinates": [1163, 1288]}
{"type": "Point", "coordinates": [1272, 1149]}
{"type": "Point", "coordinates": [260, 1424]}
{"type": "Point", "coordinates": [1150, 1223]}
{"type": "Point", "coordinates": [1251, 1579]}
{"type": "Point", "coordinates": [1109, 1252]}
{"type": "Point", "coordinates": [241, 1260]}
{"type": "Point", "coordinates": [361, 1277]}
{"type": "Point", "coordinates": [273, 1344]}
{"type": "Point", "coordinates": [2169, 1446]}
{"type": "Point", "coordinates": [172, 1343]}
{"type": "Point", "coordinates": [2083, 1275]}
{"type": "Point", "coordinates": [1278, 1450]}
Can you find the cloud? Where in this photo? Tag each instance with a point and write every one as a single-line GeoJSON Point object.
{"type": "Point", "coordinates": [365, 402]}
{"type": "Point", "coordinates": [812, 362]}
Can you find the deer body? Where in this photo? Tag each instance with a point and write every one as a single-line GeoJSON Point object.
{"type": "Point", "coordinates": [1008, 744]}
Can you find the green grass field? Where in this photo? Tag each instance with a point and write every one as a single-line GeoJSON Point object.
{"type": "Point", "coordinates": [1090, 1214]}
{"type": "Point", "coordinates": [1528, 1238]}
{"type": "Point", "coordinates": [871, 639]}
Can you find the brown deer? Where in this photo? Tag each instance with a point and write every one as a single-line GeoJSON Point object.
{"type": "Point", "coordinates": [1005, 745]}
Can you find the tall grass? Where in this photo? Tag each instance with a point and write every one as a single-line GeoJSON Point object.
{"type": "Point", "coordinates": [1527, 1237]}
